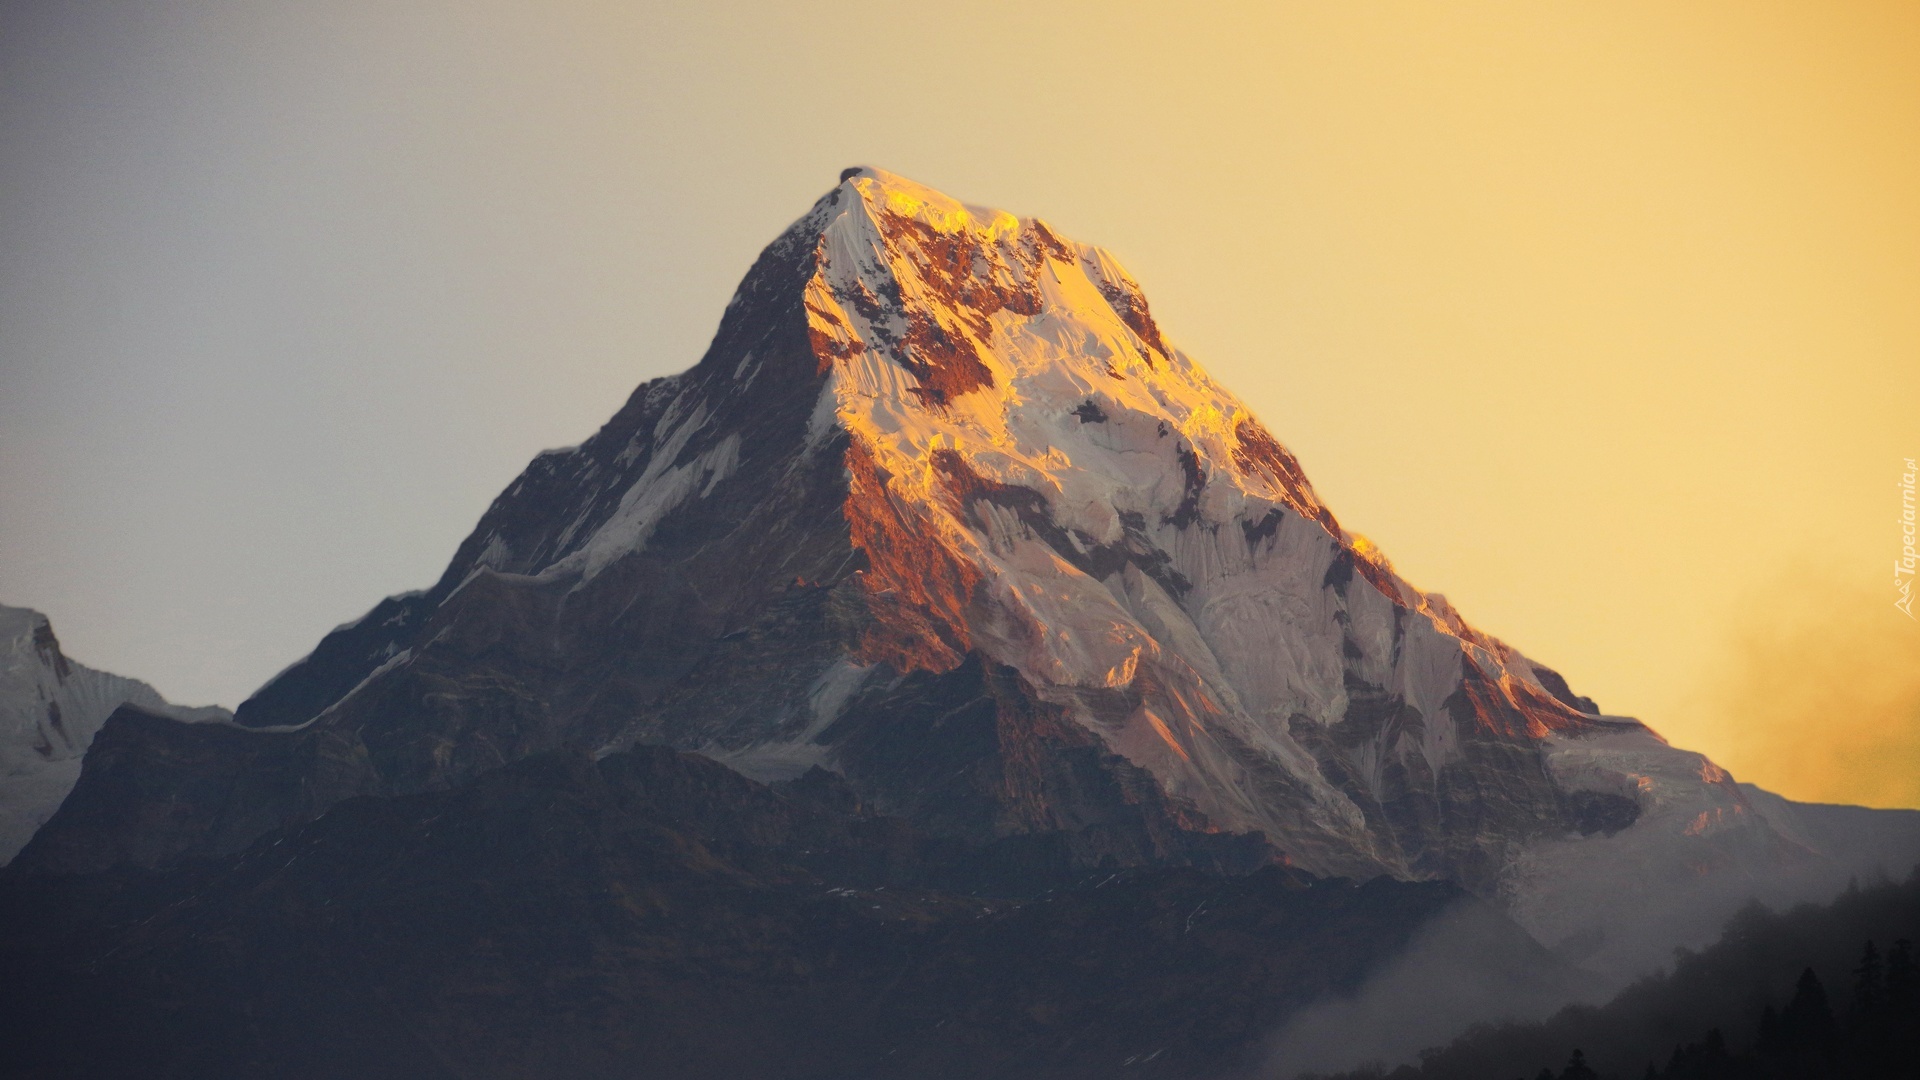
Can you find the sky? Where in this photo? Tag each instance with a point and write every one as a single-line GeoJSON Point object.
{"type": "Point", "coordinates": [1601, 319]}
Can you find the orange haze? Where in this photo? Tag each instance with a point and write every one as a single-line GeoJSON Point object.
{"type": "Point", "coordinates": [1818, 694]}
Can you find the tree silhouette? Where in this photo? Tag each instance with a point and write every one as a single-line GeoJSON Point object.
{"type": "Point", "coordinates": [1808, 1018]}
{"type": "Point", "coordinates": [1771, 1040]}
{"type": "Point", "coordinates": [1721, 996]}
{"type": "Point", "coordinates": [1903, 981]}
{"type": "Point", "coordinates": [1869, 981]}
{"type": "Point", "coordinates": [1705, 1060]}
{"type": "Point", "coordinates": [1577, 1068]}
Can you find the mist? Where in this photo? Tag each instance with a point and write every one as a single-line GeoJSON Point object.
{"type": "Point", "coordinates": [1458, 970]}
{"type": "Point", "coordinates": [1452, 977]}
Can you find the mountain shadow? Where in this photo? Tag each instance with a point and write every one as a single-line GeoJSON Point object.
{"type": "Point", "coordinates": [656, 914]}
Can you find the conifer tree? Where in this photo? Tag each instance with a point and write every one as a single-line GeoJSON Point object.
{"type": "Point", "coordinates": [1577, 1068]}
{"type": "Point", "coordinates": [1869, 982]}
{"type": "Point", "coordinates": [1903, 981]}
{"type": "Point", "coordinates": [1808, 1032]}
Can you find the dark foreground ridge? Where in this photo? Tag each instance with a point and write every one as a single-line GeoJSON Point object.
{"type": "Point", "coordinates": [656, 914]}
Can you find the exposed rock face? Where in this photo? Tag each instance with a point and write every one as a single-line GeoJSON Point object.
{"type": "Point", "coordinates": [50, 709]}
{"type": "Point", "coordinates": [942, 511]}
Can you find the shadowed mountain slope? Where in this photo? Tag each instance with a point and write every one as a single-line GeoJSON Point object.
{"type": "Point", "coordinates": [657, 914]}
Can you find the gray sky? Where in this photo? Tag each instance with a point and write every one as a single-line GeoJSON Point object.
{"type": "Point", "coordinates": [1596, 320]}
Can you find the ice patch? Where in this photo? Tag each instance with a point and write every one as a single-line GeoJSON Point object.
{"type": "Point", "coordinates": [658, 491]}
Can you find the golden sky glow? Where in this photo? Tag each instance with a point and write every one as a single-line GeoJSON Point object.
{"type": "Point", "coordinates": [1816, 694]}
{"type": "Point", "coordinates": [1598, 318]}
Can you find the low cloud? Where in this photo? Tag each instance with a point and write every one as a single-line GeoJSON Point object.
{"type": "Point", "coordinates": [1467, 966]}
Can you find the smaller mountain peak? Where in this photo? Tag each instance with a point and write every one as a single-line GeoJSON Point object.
{"type": "Point", "coordinates": [17, 622]}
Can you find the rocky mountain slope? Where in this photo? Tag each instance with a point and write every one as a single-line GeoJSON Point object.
{"type": "Point", "coordinates": [50, 709]}
{"type": "Point", "coordinates": [656, 914]}
{"type": "Point", "coordinates": [943, 512]}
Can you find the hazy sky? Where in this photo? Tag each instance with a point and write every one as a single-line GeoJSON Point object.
{"type": "Point", "coordinates": [1603, 319]}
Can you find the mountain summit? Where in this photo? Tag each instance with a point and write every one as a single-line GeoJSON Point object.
{"type": "Point", "coordinates": [943, 512]}
{"type": "Point", "coordinates": [50, 708]}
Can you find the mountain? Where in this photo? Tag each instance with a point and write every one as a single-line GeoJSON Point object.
{"type": "Point", "coordinates": [50, 709]}
{"type": "Point", "coordinates": [943, 512]}
{"type": "Point", "coordinates": [656, 914]}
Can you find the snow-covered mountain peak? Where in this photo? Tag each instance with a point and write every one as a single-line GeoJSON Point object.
{"type": "Point", "coordinates": [896, 195]}
{"type": "Point", "coordinates": [944, 510]}
{"type": "Point", "coordinates": [50, 709]}
{"type": "Point", "coordinates": [970, 347]}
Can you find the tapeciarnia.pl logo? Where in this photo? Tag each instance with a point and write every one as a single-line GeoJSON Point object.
{"type": "Point", "coordinates": [1903, 566]}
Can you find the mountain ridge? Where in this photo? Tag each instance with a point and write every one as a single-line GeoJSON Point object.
{"type": "Point", "coordinates": [654, 912]}
{"type": "Point", "coordinates": [942, 510]}
{"type": "Point", "coordinates": [50, 709]}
